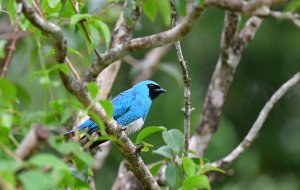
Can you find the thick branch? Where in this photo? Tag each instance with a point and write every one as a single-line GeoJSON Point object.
{"type": "Point", "coordinates": [233, 46]}
{"type": "Point", "coordinates": [151, 41]}
{"type": "Point", "coordinates": [258, 124]}
{"type": "Point", "coordinates": [32, 142]}
{"type": "Point", "coordinates": [242, 6]}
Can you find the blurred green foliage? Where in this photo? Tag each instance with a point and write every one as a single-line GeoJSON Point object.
{"type": "Point", "coordinates": [33, 93]}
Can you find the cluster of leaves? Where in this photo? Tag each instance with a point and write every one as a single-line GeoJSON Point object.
{"type": "Point", "coordinates": [181, 172]}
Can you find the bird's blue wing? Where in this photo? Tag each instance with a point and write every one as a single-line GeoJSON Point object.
{"type": "Point", "coordinates": [130, 106]}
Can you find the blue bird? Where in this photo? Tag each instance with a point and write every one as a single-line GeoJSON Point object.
{"type": "Point", "coordinates": [130, 109]}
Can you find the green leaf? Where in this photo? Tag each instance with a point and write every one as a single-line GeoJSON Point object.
{"type": "Point", "coordinates": [94, 35]}
{"type": "Point", "coordinates": [78, 17]}
{"type": "Point", "coordinates": [93, 89]}
{"type": "Point", "coordinates": [104, 29]}
{"type": "Point", "coordinates": [11, 9]}
{"type": "Point", "coordinates": [165, 11]}
{"type": "Point", "coordinates": [49, 8]}
{"type": "Point", "coordinates": [173, 175]}
{"type": "Point", "coordinates": [164, 151]}
{"type": "Point", "coordinates": [59, 67]}
{"type": "Point", "coordinates": [189, 166]}
{"type": "Point", "coordinates": [147, 132]}
{"type": "Point", "coordinates": [71, 50]}
{"type": "Point", "coordinates": [108, 107]}
{"type": "Point", "coordinates": [2, 48]}
{"type": "Point", "coordinates": [174, 139]}
{"type": "Point", "coordinates": [46, 160]}
{"type": "Point", "coordinates": [207, 168]}
{"type": "Point", "coordinates": [150, 9]}
{"type": "Point", "coordinates": [4, 133]}
{"type": "Point", "coordinates": [0, 5]}
{"type": "Point", "coordinates": [292, 6]}
{"type": "Point", "coordinates": [53, 3]}
{"type": "Point", "coordinates": [34, 180]}
{"type": "Point", "coordinates": [155, 168]}
{"type": "Point", "coordinates": [180, 6]}
{"type": "Point", "coordinates": [196, 181]}
{"type": "Point", "coordinates": [8, 91]}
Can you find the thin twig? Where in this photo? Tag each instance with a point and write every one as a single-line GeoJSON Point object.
{"type": "Point", "coordinates": [187, 85]}
{"type": "Point", "coordinates": [73, 70]}
{"type": "Point", "coordinates": [258, 124]}
{"type": "Point", "coordinates": [12, 47]}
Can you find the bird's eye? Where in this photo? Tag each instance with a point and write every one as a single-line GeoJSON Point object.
{"type": "Point", "coordinates": [151, 86]}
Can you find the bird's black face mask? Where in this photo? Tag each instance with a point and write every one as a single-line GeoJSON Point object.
{"type": "Point", "coordinates": [155, 90]}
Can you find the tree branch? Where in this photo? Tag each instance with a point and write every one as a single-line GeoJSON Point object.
{"type": "Point", "coordinates": [12, 46]}
{"type": "Point", "coordinates": [32, 142]}
{"type": "Point", "coordinates": [258, 124]}
{"type": "Point", "coordinates": [232, 47]}
{"type": "Point", "coordinates": [187, 86]}
{"type": "Point", "coordinates": [151, 41]}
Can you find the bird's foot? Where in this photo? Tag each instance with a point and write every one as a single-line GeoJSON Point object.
{"type": "Point", "coordinates": [139, 148]}
{"type": "Point", "coordinates": [123, 128]}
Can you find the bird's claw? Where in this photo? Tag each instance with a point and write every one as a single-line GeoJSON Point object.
{"type": "Point", "coordinates": [123, 128]}
{"type": "Point", "coordinates": [139, 148]}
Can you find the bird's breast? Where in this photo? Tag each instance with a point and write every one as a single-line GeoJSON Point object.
{"type": "Point", "coordinates": [134, 126]}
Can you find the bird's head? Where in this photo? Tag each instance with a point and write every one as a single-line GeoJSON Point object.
{"type": "Point", "coordinates": [149, 88]}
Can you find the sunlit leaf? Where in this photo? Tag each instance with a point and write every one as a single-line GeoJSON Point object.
{"type": "Point", "coordinates": [53, 3]}
{"type": "Point", "coordinates": [189, 166]}
{"type": "Point", "coordinates": [207, 168]}
{"type": "Point", "coordinates": [150, 9]}
{"type": "Point", "coordinates": [174, 139]}
{"type": "Point", "coordinates": [93, 89]}
{"type": "Point", "coordinates": [147, 132]}
{"type": "Point", "coordinates": [108, 107]}
{"type": "Point", "coordinates": [196, 181]}
{"type": "Point", "coordinates": [165, 11]}
{"type": "Point", "coordinates": [34, 180]}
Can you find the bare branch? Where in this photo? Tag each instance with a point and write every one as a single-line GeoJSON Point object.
{"type": "Point", "coordinates": [32, 142]}
{"type": "Point", "coordinates": [12, 46]}
{"type": "Point", "coordinates": [232, 46]}
{"type": "Point", "coordinates": [242, 6]}
{"type": "Point", "coordinates": [258, 124]}
{"type": "Point", "coordinates": [187, 85]}
{"type": "Point", "coordinates": [151, 41]}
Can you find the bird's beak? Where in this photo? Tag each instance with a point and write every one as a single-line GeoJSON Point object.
{"type": "Point", "coordinates": [160, 90]}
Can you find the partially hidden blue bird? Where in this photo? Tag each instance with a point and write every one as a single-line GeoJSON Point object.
{"type": "Point", "coordinates": [130, 109]}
